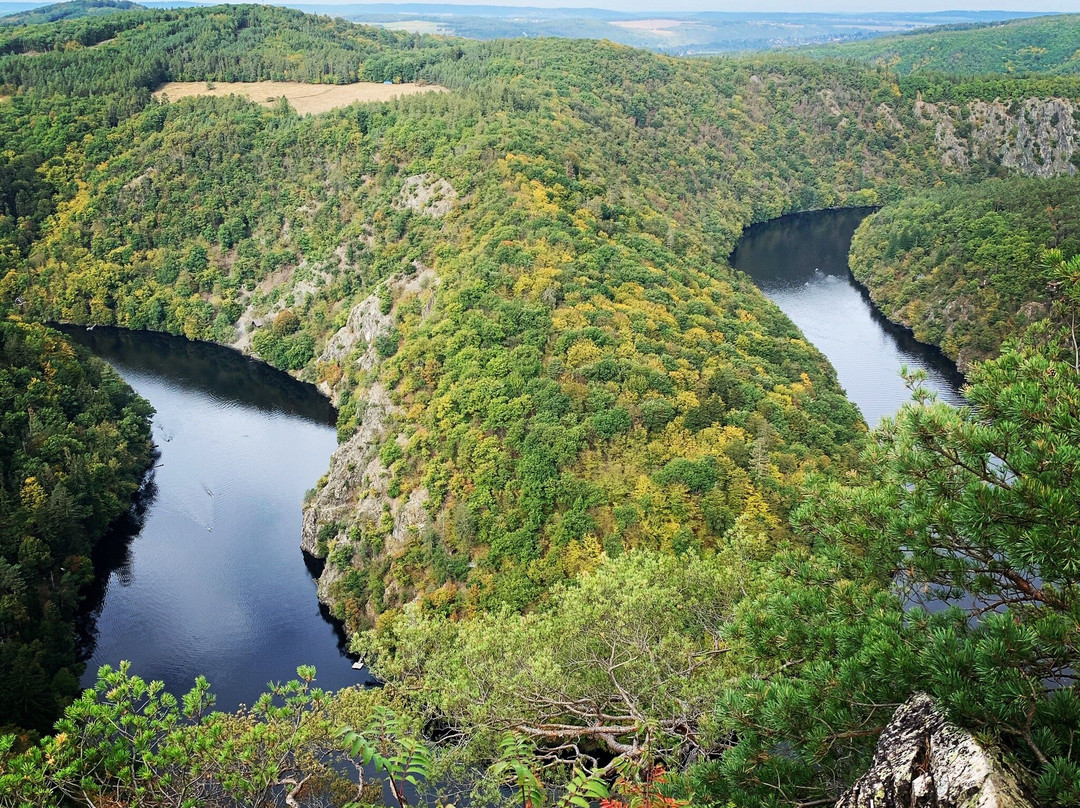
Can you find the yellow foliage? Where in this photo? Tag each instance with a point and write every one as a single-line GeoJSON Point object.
{"type": "Point", "coordinates": [32, 495]}
{"type": "Point", "coordinates": [582, 353]}
{"type": "Point", "coordinates": [531, 284]}
{"type": "Point", "coordinates": [685, 400]}
{"type": "Point", "coordinates": [582, 556]}
{"type": "Point", "coordinates": [441, 407]}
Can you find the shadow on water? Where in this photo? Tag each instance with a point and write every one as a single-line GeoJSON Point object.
{"type": "Point", "coordinates": [111, 557]}
{"type": "Point", "coordinates": [205, 368]}
{"type": "Point", "coordinates": [205, 575]}
{"type": "Point", "coordinates": [906, 343]}
{"type": "Point", "coordinates": [790, 250]}
{"type": "Point", "coordinates": [800, 262]}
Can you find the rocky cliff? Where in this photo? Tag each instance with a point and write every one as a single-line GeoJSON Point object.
{"type": "Point", "coordinates": [1037, 137]}
{"type": "Point", "coordinates": [924, 761]}
{"type": "Point", "coordinates": [356, 500]}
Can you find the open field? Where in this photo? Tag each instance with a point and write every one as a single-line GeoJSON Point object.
{"type": "Point", "coordinates": [658, 27]}
{"type": "Point", "coordinates": [304, 98]}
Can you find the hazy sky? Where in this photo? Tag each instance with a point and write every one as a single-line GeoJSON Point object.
{"type": "Point", "coordinates": [773, 5]}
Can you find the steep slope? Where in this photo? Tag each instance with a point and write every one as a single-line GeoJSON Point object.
{"type": "Point", "coordinates": [74, 442]}
{"type": "Point", "coordinates": [963, 267]}
{"type": "Point", "coordinates": [516, 290]}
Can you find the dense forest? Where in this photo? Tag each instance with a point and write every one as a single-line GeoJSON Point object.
{"type": "Point", "coordinates": [69, 10]}
{"type": "Point", "coordinates": [1018, 47]}
{"type": "Point", "coordinates": [963, 267]}
{"type": "Point", "coordinates": [74, 442]}
{"type": "Point", "coordinates": [561, 412]}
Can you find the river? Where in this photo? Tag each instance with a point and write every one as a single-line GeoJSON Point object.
{"type": "Point", "coordinates": [800, 263]}
{"type": "Point", "coordinates": [210, 578]}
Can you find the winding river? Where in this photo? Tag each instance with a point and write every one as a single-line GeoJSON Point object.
{"type": "Point", "coordinates": [800, 263]}
{"type": "Point", "coordinates": [209, 579]}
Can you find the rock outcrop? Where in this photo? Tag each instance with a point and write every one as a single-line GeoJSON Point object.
{"type": "Point", "coordinates": [923, 761]}
{"type": "Point", "coordinates": [356, 491]}
{"type": "Point", "coordinates": [1038, 137]}
{"type": "Point", "coordinates": [427, 195]}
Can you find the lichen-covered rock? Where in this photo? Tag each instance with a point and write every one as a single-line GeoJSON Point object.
{"type": "Point", "coordinates": [923, 761]}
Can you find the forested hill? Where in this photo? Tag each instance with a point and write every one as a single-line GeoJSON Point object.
{"type": "Point", "coordinates": [540, 252]}
{"type": "Point", "coordinates": [963, 267]}
{"type": "Point", "coordinates": [517, 290]}
{"type": "Point", "coordinates": [74, 443]}
{"type": "Point", "coordinates": [1034, 45]}
{"type": "Point", "coordinates": [69, 10]}
{"type": "Point", "coordinates": [127, 54]}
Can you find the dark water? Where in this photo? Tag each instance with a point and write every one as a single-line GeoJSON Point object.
{"type": "Point", "coordinates": [800, 263]}
{"type": "Point", "coordinates": [213, 580]}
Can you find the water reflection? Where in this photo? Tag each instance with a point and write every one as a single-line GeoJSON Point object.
{"type": "Point", "coordinates": [800, 263]}
{"type": "Point", "coordinates": [208, 577]}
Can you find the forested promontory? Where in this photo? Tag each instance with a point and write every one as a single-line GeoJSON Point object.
{"type": "Point", "coordinates": [597, 502]}
{"type": "Point", "coordinates": [964, 267]}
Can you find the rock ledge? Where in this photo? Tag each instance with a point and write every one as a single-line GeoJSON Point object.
{"type": "Point", "coordinates": [923, 761]}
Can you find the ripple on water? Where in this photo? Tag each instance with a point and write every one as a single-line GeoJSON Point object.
{"type": "Point", "coordinates": [215, 583]}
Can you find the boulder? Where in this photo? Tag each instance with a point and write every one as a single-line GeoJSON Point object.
{"type": "Point", "coordinates": [924, 761]}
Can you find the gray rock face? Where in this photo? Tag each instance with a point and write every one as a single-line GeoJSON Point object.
{"type": "Point", "coordinates": [427, 195]}
{"type": "Point", "coordinates": [1037, 137]}
{"type": "Point", "coordinates": [923, 761]}
{"type": "Point", "coordinates": [356, 489]}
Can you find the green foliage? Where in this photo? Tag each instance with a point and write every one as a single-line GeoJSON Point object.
{"type": "Point", "coordinates": [962, 266]}
{"type": "Point", "coordinates": [74, 442]}
{"type": "Point", "coordinates": [1034, 45]}
{"type": "Point", "coordinates": [517, 759]}
{"type": "Point", "coordinates": [291, 352]}
{"type": "Point", "coordinates": [392, 750]}
{"type": "Point", "coordinates": [627, 661]}
{"type": "Point", "coordinates": [93, 55]}
{"type": "Point", "coordinates": [584, 331]}
{"type": "Point", "coordinates": [610, 427]}
{"type": "Point", "coordinates": [128, 741]}
{"type": "Point", "coordinates": [68, 10]}
{"type": "Point", "coordinates": [970, 512]}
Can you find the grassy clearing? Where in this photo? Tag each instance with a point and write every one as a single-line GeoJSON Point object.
{"type": "Point", "coordinates": [304, 98]}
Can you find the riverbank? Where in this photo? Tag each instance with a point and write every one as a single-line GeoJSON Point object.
{"type": "Point", "coordinates": [215, 582]}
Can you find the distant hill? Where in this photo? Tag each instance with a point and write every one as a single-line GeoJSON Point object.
{"type": "Point", "coordinates": [674, 32]}
{"type": "Point", "coordinates": [1046, 44]}
{"type": "Point", "coordinates": [67, 11]}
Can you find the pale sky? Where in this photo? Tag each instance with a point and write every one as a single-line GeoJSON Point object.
{"type": "Point", "coordinates": [849, 6]}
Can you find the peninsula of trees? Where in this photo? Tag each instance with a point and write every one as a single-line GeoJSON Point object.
{"type": "Point", "coordinates": [597, 502]}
